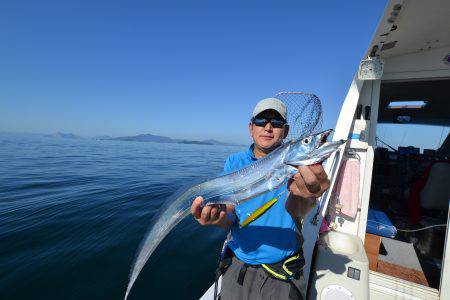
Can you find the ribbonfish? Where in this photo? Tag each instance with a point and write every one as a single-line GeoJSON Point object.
{"type": "Point", "coordinates": [265, 174]}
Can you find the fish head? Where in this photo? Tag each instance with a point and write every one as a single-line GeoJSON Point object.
{"type": "Point", "coordinates": [311, 149]}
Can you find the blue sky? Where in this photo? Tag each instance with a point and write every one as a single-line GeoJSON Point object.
{"type": "Point", "coordinates": [184, 69]}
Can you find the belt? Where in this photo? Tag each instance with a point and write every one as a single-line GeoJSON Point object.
{"type": "Point", "coordinates": [285, 270]}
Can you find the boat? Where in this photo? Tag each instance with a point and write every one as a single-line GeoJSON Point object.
{"type": "Point", "coordinates": [387, 207]}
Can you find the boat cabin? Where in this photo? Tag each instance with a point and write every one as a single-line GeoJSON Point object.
{"type": "Point", "coordinates": [391, 182]}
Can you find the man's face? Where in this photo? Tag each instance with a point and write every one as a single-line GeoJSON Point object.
{"type": "Point", "coordinates": [267, 137]}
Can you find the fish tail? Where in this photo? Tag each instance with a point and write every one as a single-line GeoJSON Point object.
{"type": "Point", "coordinates": [163, 222]}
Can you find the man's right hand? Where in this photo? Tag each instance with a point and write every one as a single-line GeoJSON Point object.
{"type": "Point", "coordinates": [211, 214]}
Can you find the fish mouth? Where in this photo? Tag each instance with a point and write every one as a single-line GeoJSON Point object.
{"type": "Point", "coordinates": [322, 138]}
{"type": "Point", "coordinates": [323, 148]}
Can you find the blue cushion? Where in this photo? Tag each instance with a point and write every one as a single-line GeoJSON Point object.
{"type": "Point", "coordinates": [378, 223]}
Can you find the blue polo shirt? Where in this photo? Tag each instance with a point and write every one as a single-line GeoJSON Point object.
{"type": "Point", "coordinates": [271, 237]}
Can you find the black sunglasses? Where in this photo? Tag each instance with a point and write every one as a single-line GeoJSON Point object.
{"type": "Point", "coordinates": [262, 122]}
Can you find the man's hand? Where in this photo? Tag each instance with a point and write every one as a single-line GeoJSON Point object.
{"type": "Point", "coordinates": [309, 183]}
{"type": "Point", "coordinates": [212, 214]}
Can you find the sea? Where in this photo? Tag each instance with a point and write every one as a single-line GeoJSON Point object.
{"type": "Point", "coordinates": [74, 211]}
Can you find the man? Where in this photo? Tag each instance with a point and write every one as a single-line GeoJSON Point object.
{"type": "Point", "coordinates": [274, 238]}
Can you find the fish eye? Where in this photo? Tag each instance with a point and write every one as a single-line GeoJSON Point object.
{"type": "Point", "coordinates": [306, 141]}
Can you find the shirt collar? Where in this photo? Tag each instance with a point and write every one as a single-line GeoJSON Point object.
{"type": "Point", "coordinates": [250, 152]}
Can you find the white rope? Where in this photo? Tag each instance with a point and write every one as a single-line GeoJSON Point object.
{"type": "Point", "coordinates": [423, 228]}
{"type": "Point", "coordinates": [407, 230]}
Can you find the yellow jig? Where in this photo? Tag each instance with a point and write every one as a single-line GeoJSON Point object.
{"type": "Point", "coordinates": [259, 212]}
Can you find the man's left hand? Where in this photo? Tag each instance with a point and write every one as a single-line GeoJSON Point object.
{"type": "Point", "coordinates": [310, 181]}
{"type": "Point", "coordinates": [308, 184]}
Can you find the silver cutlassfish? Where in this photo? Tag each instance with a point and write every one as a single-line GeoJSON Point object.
{"type": "Point", "coordinates": [265, 174]}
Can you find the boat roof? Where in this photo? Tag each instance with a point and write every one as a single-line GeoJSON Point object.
{"type": "Point", "coordinates": [414, 35]}
{"type": "Point", "coordinates": [411, 26]}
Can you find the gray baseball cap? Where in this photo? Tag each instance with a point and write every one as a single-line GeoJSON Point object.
{"type": "Point", "coordinates": [270, 103]}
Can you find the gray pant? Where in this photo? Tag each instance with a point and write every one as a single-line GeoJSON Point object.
{"type": "Point", "coordinates": [258, 285]}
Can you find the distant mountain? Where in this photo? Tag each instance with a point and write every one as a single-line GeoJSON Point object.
{"type": "Point", "coordinates": [193, 142]}
{"type": "Point", "coordinates": [145, 138]}
{"type": "Point", "coordinates": [135, 138]}
{"type": "Point", "coordinates": [61, 135]}
{"type": "Point", "coordinates": [102, 137]}
{"type": "Point", "coordinates": [164, 139]}
{"type": "Point", "coordinates": [214, 142]}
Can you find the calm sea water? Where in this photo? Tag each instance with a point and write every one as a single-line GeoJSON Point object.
{"type": "Point", "coordinates": [73, 212]}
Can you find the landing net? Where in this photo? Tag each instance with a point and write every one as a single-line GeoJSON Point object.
{"type": "Point", "coordinates": [304, 113]}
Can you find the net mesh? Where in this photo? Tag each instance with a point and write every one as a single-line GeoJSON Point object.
{"type": "Point", "coordinates": [304, 113]}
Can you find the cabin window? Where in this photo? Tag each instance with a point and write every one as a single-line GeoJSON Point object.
{"type": "Point", "coordinates": [418, 104]}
